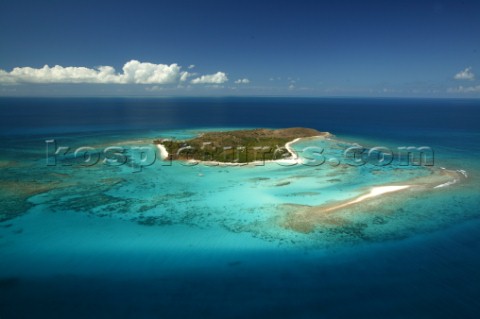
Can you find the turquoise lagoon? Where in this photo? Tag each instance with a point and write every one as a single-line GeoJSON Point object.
{"type": "Point", "coordinates": [182, 240]}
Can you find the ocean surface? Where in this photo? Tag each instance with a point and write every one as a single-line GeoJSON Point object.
{"type": "Point", "coordinates": [134, 236]}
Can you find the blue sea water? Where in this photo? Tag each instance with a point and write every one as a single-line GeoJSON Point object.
{"type": "Point", "coordinates": [211, 242]}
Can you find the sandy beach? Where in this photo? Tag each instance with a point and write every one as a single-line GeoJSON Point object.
{"type": "Point", "coordinates": [163, 151]}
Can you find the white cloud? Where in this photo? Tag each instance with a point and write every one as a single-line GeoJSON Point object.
{"type": "Point", "coordinates": [191, 66]}
{"type": "Point", "coordinates": [59, 74]}
{"type": "Point", "coordinates": [461, 89]}
{"type": "Point", "coordinates": [466, 74]}
{"type": "Point", "coordinates": [149, 73]}
{"type": "Point", "coordinates": [217, 78]}
{"type": "Point", "coordinates": [134, 72]}
{"type": "Point", "coordinates": [242, 81]}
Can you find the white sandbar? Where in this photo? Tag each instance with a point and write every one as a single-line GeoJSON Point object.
{"type": "Point", "coordinates": [375, 191]}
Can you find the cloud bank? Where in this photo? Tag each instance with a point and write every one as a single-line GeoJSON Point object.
{"type": "Point", "coordinates": [217, 78]}
{"type": "Point", "coordinates": [466, 74]}
{"type": "Point", "coordinates": [133, 72]}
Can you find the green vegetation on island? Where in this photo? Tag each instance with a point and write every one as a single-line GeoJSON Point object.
{"type": "Point", "coordinates": [241, 146]}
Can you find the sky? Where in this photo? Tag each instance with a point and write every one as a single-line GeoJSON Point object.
{"type": "Point", "coordinates": [245, 48]}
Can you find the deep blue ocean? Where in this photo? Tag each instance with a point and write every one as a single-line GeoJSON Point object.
{"type": "Point", "coordinates": [69, 248]}
{"type": "Point", "coordinates": [343, 116]}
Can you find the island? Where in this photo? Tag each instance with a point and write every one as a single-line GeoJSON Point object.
{"type": "Point", "coordinates": [239, 146]}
